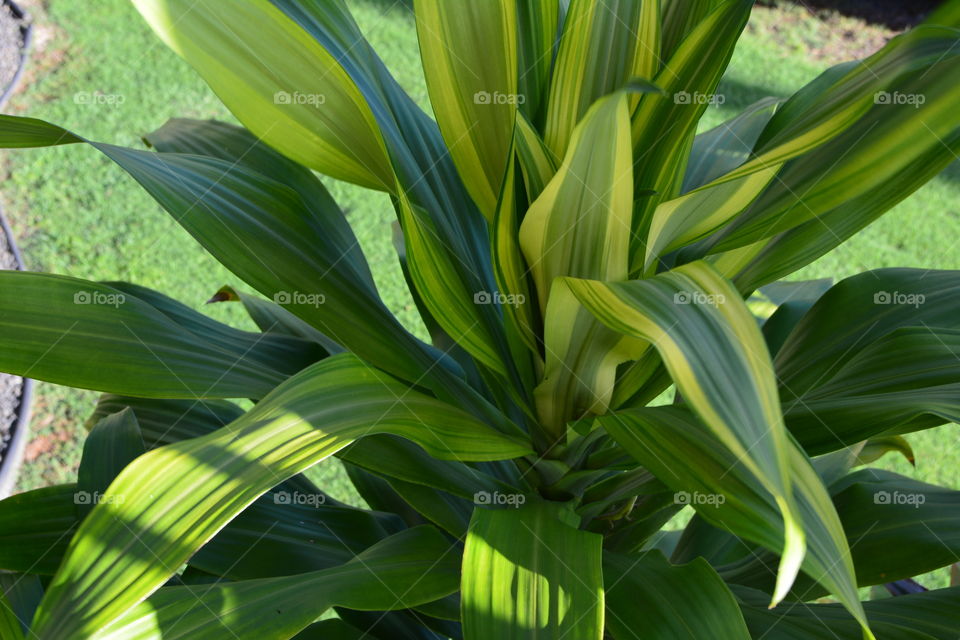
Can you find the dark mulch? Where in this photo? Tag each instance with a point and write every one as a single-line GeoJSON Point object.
{"type": "Point", "coordinates": [895, 14]}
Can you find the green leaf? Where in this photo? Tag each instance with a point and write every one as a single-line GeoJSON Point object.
{"type": "Point", "coordinates": [875, 355]}
{"type": "Point", "coordinates": [906, 381]}
{"type": "Point", "coordinates": [875, 448]}
{"type": "Point", "coordinates": [604, 43]}
{"type": "Point", "coordinates": [470, 60]}
{"type": "Point", "coordinates": [727, 146]}
{"type": "Point", "coordinates": [449, 512]}
{"type": "Point", "coordinates": [647, 597]}
{"type": "Point", "coordinates": [35, 528]}
{"type": "Point", "coordinates": [947, 14]}
{"type": "Point", "coordinates": [239, 147]}
{"type": "Point", "coordinates": [330, 630]}
{"type": "Point", "coordinates": [917, 616]}
{"type": "Point", "coordinates": [22, 593]}
{"type": "Point", "coordinates": [689, 78]}
{"type": "Point", "coordinates": [537, 24]}
{"type": "Point", "coordinates": [834, 133]}
{"type": "Point", "coordinates": [885, 141]}
{"type": "Point", "coordinates": [679, 18]}
{"type": "Point", "coordinates": [282, 265]}
{"type": "Point", "coordinates": [197, 486]}
{"type": "Point", "coordinates": [279, 82]}
{"type": "Point", "coordinates": [511, 272]}
{"type": "Point", "coordinates": [859, 310]}
{"type": "Point", "coordinates": [377, 492]}
{"type": "Point", "coordinates": [913, 154]}
{"type": "Point", "coordinates": [10, 627]}
{"type": "Point", "coordinates": [898, 527]}
{"type": "Point", "coordinates": [425, 175]}
{"type": "Point", "coordinates": [169, 420]}
{"type": "Point", "coordinates": [393, 624]}
{"type": "Point", "coordinates": [287, 355]}
{"type": "Point", "coordinates": [731, 386]}
{"type": "Point", "coordinates": [438, 335]}
{"type": "Point", "coordinates": [529, 572]}
{"type": "Point", "coordinates": [682, 452]}
{"type": "Point", "coordinates": [227, 207]}
{"type": "Point", "coordinates": [112, 444]}
{"type": "Point", "coordinates": [578, 225]}
{"type": "Point", "coordinates": [537, 162]}
{"type": "Point", "coordinates": [450, 301]}
{"type": "Point", "coordinates": [410, 568]}
{"type": "Point", "coordinates": [25, 133]}
{"type": "Point", "coordinates": [398, 458]}
{"type": "Point", "coordinates": [290, 531]}
{"type": "Point", "coordinates": [793, 300]}
{"type": "Point", "coordinates": [270, 317]}
{"type": "Point", "coordinates": [272, 536]}
{"type": "Point", "coordinates": [93, 336]}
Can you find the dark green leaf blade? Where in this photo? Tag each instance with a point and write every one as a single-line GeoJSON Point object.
{"type": "Point", "coordinates": [113, 443]}
{"type": "Point", "coordinates": [93, 336]}
{"type": "Point", "coordinates": [649, 598]}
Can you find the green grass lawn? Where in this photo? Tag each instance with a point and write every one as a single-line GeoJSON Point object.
{"type": "Point", "coordinates": [78, 214]}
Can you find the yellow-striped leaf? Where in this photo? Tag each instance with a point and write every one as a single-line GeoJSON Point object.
{"type": "Point", "coordinates": [469, 54]}
{"type": "Point", "coordinates": [730, 386]}
{"type": "Point", "coordinates": [664, 125]}
{"type": "Point", "coordinates": [579, 225]}
{"type": "Point", "coordinates": [170, 501]}
{"type": "Point", "coordinates": [537, 162]}
{"type": "Point", "coordinates": [511, 271]}
{"type": "Point", "coordinates": [279, 82]}
{"type": "Point", "coordinates": [604, 43]}
{"type": "Point", "coordinates": [537, 22]}
{"type": "Point", "coordinates": [844, 137]}
{"type": "Point", "coordinates": [451, 303]}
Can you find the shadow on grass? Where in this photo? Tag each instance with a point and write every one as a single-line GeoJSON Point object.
{"type": "Point", "coordinates": [895, 14]}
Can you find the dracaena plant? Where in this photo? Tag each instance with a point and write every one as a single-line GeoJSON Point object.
{"type": "Point", "coordinates": [583, 260]}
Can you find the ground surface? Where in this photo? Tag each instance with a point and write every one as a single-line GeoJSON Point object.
{"type": "Point", "coordinates": [894, 14]}
{"type": "Point", "coordinates": [77, 214]}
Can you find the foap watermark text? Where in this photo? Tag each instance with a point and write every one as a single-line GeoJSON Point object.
{"type": "Point", "coordinates": [298, 498]}
{"type": "Point", "coordinates": [487, 297]}
{"type": "Point", "coordinates": [698, 297]}
{"type": "Point", "coordinates": [696, 498]}
{"type": "Point", "coordinates": [899, 498]}
{"type": "Point", "coordinates": [485, 498]}
{"type": "Point", "coordinates": [287, 298]}
{"type": "Point", "coordinates": [899, 298]}
{"type": "Point", "coordinates": [99, 298]}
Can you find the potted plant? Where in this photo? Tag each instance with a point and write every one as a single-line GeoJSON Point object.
{"type": "Point", "coordinates": [583, 261]}
{"type": "Point", "coordinates": [15, 392]}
